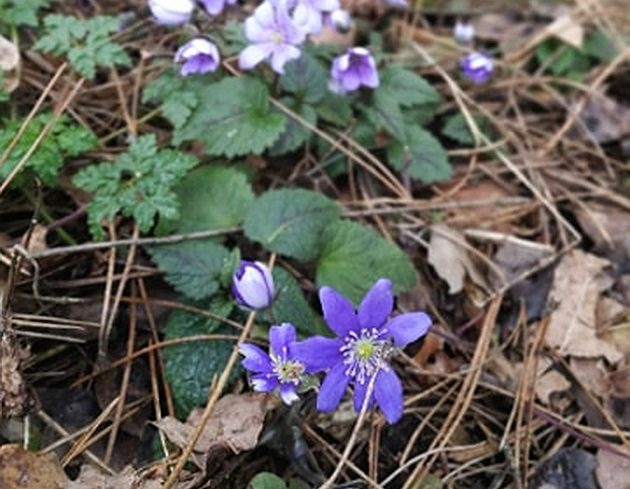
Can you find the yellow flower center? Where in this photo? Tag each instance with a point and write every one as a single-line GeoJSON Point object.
{"type": "Point", "coordinates": [364, 349]}
{"type": "Point", "coordinates": [277, 37]}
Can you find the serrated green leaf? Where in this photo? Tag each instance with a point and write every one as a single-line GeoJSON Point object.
{"type": "Point", "coordinates": [190, 367]}
{"type": "Point", "coordinates": [211, 197]}
{"type": "Point", "coordinates": [355, 257]}
{"type": "Point", "coordinates": [290, 306]}
{"type": "Point", "coordinates": [267, 480]}
{"type": "Point", "coordinates": [233, 118]}
{"type": "Point", "coordinates": [384, 113]}
{"type": "Point", "coordinates": [291, 222]}
{"type": "Point", "coordinates": [139, 185]}
{"type": "Point", "coordinates": [295, 134]}
{"type": "Point", "coordinates": [421, 155]}
{"type": "Point", "coordinates": [457, 128]}
{"type": "Point", "coordinates": [406, 87]}
{"type": "Point", "coordinates": [64, 140]}
{"type": "Point", "coordinates": [86, 43]}
{"type": "Point", "coordinates": [306, 78]}
{"type": "Point", "coordinates": [21, 12]}
{"type": "Point", "coordinates": [192, 267]}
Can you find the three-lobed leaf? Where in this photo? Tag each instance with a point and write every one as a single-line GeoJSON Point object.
{"type": "Point", "coordinates": [291, 222]}
{"type": "Point", "coordinates": [355, 257]}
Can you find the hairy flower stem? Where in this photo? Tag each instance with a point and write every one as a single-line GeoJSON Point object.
{"type": "Point", "coordinates": [216, 391]}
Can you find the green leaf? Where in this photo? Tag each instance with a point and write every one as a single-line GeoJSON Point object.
{"type": "Point", "coordinates": [457, 128]}
{"type": "Point", "coordinates": [267, 480]}
{"type": "Point", "coordinates": [192, 267]}
{"type": "Point", "coordinates": [355, 257]}
{"type": "Point", "coordinates": [190, 367]}
{"type": "Point", "coordinates": [86, 43]}
{"type": "Point", "coordinates": [335, 109]}
{"type": "Point", "coordinates": [290, 305]}
{"type": "Point", "coordinates": [599, 46]}
{"type": "Point", "coordinates": [4, 95]}
{"type": "Point", "coordinates": [233, 118]}
{"type": "Point", "coordinates": [291, 222]}
{"type": "Point", "coordinates": [295, 134]}
{"type": "Point", "coordinates": [422, 156]}
{"type": "Point", "coordinates": [406, 87]}
{"type": "Point", "coordinates": [384, 113]}
{"type": "Point", "coordinates": [306, 78]}
{"type": "Point", "coordinates": [211, 197]}
{"type": "Point", "coordinates": [21, 12]}
{"type": "Point", "coordinates": [139, 185]}
{"type": "Point", "coordinates": [63, 141]}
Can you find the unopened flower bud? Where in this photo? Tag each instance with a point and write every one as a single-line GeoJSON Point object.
{"type": "Point", "coordinates": [463, 32]}
{"type": "Point", "coordinates": [339, 20]}
{"type": "Point", "coordinates": [198, 55]}
{"type": "Point", "coordinates": [252, 285]}
{"type": "Point", "coordinates": [477, 67]}
{"type": "Point", "coordinates": [171, 12]}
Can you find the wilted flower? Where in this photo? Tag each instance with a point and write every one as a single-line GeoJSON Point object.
{"type": "Point", "coordinates": [215, 7]}
{"type": "Point", "coordinates": [339, 20]}
{"type": "Point", "coordinates": [171, 12]}
{"type": "Point", "coordinates": [463, 32]}
{"type": "Point", "coordinates": [353, 69]}
{"type": "Point", "coordinates": [278, 369]}
{"type": "Point", "coordinates": [365, 341]}
{"type": "Point", "coordinates": [274, 36]}
{"type": "Point", "coordinates": [309, 13]}
{"type": "Point", "coordinates": [477, 67]}
{"type": "Point", "coordinates": [198, 55]}
{"type": "Point", "coordinates": [252, 285]}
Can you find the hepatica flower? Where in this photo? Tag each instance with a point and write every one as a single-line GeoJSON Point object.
{"type": "Point", "coordinates": [215, 7]}
{"type": "Point", "coordinates": [252, 285]}
{"type": "Point", "coordinates": [463, 32]}
{"type": "Point", "coordinates": [477, 67]}
{"type": "Point", "coordinates": [277, 370]}
{"type": "Point", "coordinates": [274, 35]}
{"type": "Point", "coordinates": [352, 70]}
{"type": "Point", "coordinates": [171, 12]}
{"type": "Point", "coordinates": [366, 339]}
{"type": "Point", "coordinates": [309, 13]}
{"type": "Point", "coordinates": [197, 56]}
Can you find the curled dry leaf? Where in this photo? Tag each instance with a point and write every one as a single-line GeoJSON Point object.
{"type": "Point", "coordinates": [21, 469]}
{"type": "Point", "coordinates": [449, 257]}
{"type": "Point", "coordinates": [612, 470]}
{"type": "Point", "coordinates": [607, 226]}
{"type": "Point", "coordinates": [236, 422]}
{"type": "Point", "coordinates": [9, 61]}
{"type": "Point", "coordinates": [577, 286]}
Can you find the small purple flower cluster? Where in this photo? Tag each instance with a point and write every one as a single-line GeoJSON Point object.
{"type": "Point", "coordinates": [365, 340]}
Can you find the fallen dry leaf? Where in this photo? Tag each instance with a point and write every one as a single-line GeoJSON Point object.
{"type": "Point", "coordinates": [449, 257]}
{"type": "Point", "coordinates": [605, 119]}
{"type": "Point", "coordinates": [612, 470]}
{"type": "Point", "coordinates": [591, 373]}
{"type": "Point", "coordinates": [506, 29]}
{"type": "Point", "coordinates": [517, 256]}
{"type": "Point", "coordinates": [567, 29]}
{"type": "Point", "coordinates": [549, 381]}
{"type": "Point", "coordinates": [21, 469]}
{"type": "Point", "coordinates": [236, 422]}
{"type": "Point", "coordinates": [613, 322]}
{"type": "Point", "coordinates": [9, 61]}
{"type": "Point", "coordinates": [577, 286]}
{"type": "Point", "coordinates": [568, 468]}
{"type": "Point", "coordinates": [607, 226]}
{"type": "Point", "coordinates": [92, 478]}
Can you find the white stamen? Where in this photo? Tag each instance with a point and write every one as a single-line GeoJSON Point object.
{"type": "Point", "coordinates": [365, 353]}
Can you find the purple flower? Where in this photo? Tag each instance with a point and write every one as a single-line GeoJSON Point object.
{"type": "Point", "coordinates": [396, 3]}
{"type": "Point", "coordinates": [365, 340]}
{"type": "Point", "coordinates": [463, 32]}
{"type": "Point", "coordinates": [278, 369]}
{"type": "Point", "coordinates": [477, 67]}
{"type": "Point", "coordinates": [274, 36]}
{"type": "Point", "coordinates": [215, 7]}
{"type": "Point", "coordinates": [353, 69]}
{"type": "Point", "coordinates": [198, 56]}
{"type": "Point", "coordinates": [252, 285]}
{"type": "Point", "coordinates": [308, 13]}
{"type": "Point", "coordinates": [338, 20]}
{"type": "Point", "coordinates": [171, 12]}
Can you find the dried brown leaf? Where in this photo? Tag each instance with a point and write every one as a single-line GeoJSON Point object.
{"type": "Point", "coordinates": [93, 478]}
{"type": "Point", "coordinates": [607, 226]}
{"type": "Point", "coordinates": [612, 470]}
{"type": "Point", "coordinates": [578, 283]}
{"type": "Point", "coordinates": [21, 469]}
